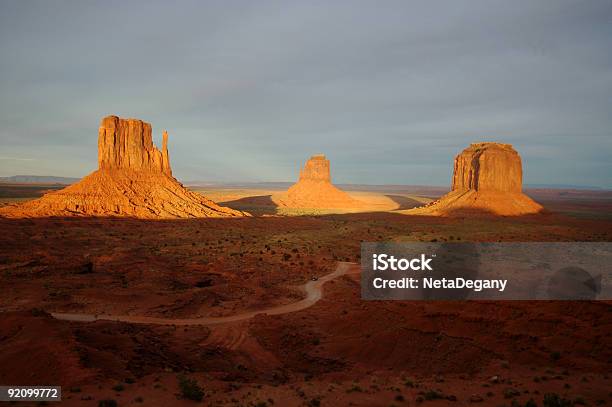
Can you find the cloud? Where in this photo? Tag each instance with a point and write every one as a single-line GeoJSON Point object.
{"type": "Point", "coordinates": [249, 90]}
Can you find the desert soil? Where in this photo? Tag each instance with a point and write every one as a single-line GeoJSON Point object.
{"type": "Point", "coordinates": [341, 350]}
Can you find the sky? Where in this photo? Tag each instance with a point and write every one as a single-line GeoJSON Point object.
{"type": "Point", "coordinates": [390, 91]}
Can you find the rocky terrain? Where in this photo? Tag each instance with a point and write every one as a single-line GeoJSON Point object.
{"type": "Point", "coordinates": [487, 178]}
{"type": "Point", "coordinates": [133, 179]}
{"type": "Point", "coordinates": [340, 351]}
{"type": "Point", "coordinates": [314, 188]}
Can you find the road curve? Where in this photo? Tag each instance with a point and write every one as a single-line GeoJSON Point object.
{"type": "Point", "coordinates": [313, 290]}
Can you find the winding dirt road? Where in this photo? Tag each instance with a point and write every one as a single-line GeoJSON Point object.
{"type": "Point", "coordinates": [313, 290]}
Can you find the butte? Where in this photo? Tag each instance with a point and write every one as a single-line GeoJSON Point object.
{"type": "Point", "coordinates": [487, 178]}
{"type": "Point", "coordinates": [314, 189]}
{"type": "Point", "coordinates": [134, 179]}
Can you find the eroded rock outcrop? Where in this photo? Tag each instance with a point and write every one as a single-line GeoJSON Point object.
{"type": "Point", "coordinates": [314, 188]}
{"type": "Point", "coordinates": [487, 178]}
{"type": "Point", "coordinates": [488, 167]}
{"type": "Point", "coordinates": [128, 144]}
{"type": "Point", "coordinates": [316, 169]}
{"type": "Point", "coordinates": [133, 179]}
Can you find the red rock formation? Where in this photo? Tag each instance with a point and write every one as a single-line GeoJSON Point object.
{"type": "Point", "coordinates": [487, 177]}
{"type": "Point", "coordinates": [488, 167]}
{"type": "Point", "coordinates": [127, 143]}
{"type": "Point", "coordinates": [316, 169]}
{"type": "Point", "coordinates": [314, 189]}
{"type": "Point", "coordinates": [134, 179]}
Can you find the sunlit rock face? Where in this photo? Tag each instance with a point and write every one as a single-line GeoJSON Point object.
{"type": "Point", "coordinates": [128, 143]}
{"type": "Point", "coordinates": [488, 166]}
{"type": "Point", "coordinates": [316, 169]}
{"type": "Point", "coordinates": [487, 179]}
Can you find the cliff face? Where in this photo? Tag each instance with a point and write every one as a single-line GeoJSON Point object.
{"type": "Point", "coordinates": [314, 189]}
{"type": "Point", "coordinates": [134, 179]}
{"type": "Point", "coordinates": [488, 166]}
{"type": "Point", "coordinates": [316, 169]}
{"type": "Point", "coordinates": [487, 178]}
{"type": "Point", "coordinates": [128, 144]}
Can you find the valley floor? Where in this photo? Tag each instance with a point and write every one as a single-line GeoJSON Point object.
{"type": "Point", "coordinates": [341, 350]}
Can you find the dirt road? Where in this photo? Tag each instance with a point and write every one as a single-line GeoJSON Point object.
{"type": "Point", "coordinates": [313, 290]}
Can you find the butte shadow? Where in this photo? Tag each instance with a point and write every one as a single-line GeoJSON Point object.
{"type": "Point", "coordinates": [404, 202]}
{"type": "Point", "coordinates": [255, 205]}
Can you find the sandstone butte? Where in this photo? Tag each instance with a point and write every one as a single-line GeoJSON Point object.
{"type": "Point", "coordinates": [487, 178]}
{"type": "Point", "coordinates": [134, 179]}
{"type": "Point", "coordinates": [314, 189]}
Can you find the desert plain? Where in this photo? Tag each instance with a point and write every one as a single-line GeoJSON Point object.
{"type": "Point", "coordinates": [338, 350]}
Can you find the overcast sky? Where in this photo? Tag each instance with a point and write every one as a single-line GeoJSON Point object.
{"type": "Point", "coordinates": [389, 91]}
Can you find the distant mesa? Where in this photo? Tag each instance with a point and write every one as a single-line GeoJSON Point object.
{"type": "Point", "coordinates": [38, 179]}
{"type": "Point", "coordinates": [487, 177]}
{"type": "Point", "coordinates": [314, 189]}
{"type": "Point", "coordinates": [134, 179]}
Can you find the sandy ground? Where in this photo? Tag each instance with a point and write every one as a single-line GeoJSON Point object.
{"type": "Point", "coordinates": [266, 201]}
{"type": "Point", "coordinates": [339, 351]}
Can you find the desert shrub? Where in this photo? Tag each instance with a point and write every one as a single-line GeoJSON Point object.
{"type": "Point", "coordinates": [433, 395]}
{"type": "Point", "coordinates": [408, 383]}
{"type": "Point", "coordinates": [190, 389]}
{"type": "Point", "coordinates": [314, 403]}
{"type": "Point", "coordinates": [553, 400]}
{"type": "Point", "coordinates": [477, 398]}
{"type": "Point", "coordinates": [107, 403]}
{"type": "Point", "coordinates": [510, 392]}
{"type": "Point", "coordinates": [85, 268]}
{"type": "Point", "coordinates": [355, 388]}
{"type": "Point", "coordinates": [118, 387]}
{"type": "Point", "coordinates": [579, 401]}
{"type": "Point", "coordinates": [38, 312]}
